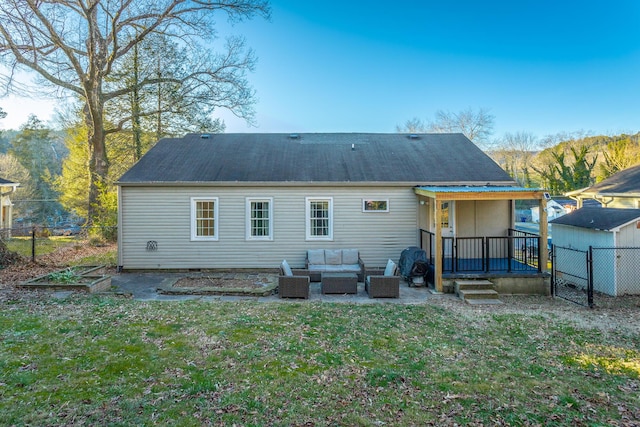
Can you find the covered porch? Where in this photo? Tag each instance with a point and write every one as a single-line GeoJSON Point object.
{"type": "Point", "coordinates": [469, 231]}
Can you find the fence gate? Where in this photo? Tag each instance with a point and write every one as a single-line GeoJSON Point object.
{"type": "Point", "coordinates": [570, 275]}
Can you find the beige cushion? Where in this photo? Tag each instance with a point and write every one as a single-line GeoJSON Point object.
{"type": "Point", "coordinates": [390, 268]}
{"type": "Point", "coordinates": [286, 270]}
{"type": "Point", "coordinates": [333, 256]}
{"type": "Point", "coordinates": [349, 256]}
{"type": "Point", "coordinates": [315, 256]}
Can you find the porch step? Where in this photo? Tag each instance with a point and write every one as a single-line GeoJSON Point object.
{"type": "Point", "coordinates": [477, 292]}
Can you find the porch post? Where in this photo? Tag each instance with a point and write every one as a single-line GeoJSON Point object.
{"type": "Point", "coordinates": [544, 232]}
{"type": "Point", "coordinates": [437, 268]}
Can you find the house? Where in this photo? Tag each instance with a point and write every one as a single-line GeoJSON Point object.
{"type": "Point", "coordinates": [620, 190]}
{"type": "Point", "coordinates": [554, 210]}
{"type": "Point", "coordinates": [612, 238]}
{"type": "Point", "coordinates": [6, 211]}
{"type": "Point", "coordinates": [211, 201]}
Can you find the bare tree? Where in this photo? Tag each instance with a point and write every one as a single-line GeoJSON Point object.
{"type": "Point", "coordinates": [475, 125]}
{"type": "Point", "coordinates": [75, 45]}
{"type": "Point", "coordinates": [514, 154]}
{"type": "Point", "coordinates": [414, 125]}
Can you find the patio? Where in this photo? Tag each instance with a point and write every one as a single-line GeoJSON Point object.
{"type": "Point", "coordinates": [149, 286]}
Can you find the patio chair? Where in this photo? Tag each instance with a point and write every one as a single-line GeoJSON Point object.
{"type": "Point", "coordinates": [386, 285]}
{"type": "Point", "coordinates": [290, 286]}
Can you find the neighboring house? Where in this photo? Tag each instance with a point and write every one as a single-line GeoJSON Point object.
{"type": "Point", "coordinates": [6, 211]}
{"type": "Point", "coordinates": [251, 200]}
{"type": "Point", "coordinates": [620, 190]}
{"type": "Point", "coordinates": [615, 235]}
{"type": "Point", "coordinates": [554, 210]}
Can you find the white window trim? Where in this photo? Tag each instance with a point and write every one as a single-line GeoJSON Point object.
{"type": "Point", "coordinates": [248, 202]}
{"type": "Point", "coordinates": [307, 218]}
{"type": "Point", "coordinates": [364, 201]}
{"type": "Point", "coordinates": [216, 220]}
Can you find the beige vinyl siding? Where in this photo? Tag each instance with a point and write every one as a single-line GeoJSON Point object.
{"type": "Point", "coordinates": [162, 214]}
{"type": "Point", "coordinates": [482, 218]}
{"type": "Point", "coordinates": [623, 202]}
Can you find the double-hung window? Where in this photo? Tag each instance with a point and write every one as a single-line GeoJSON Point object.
{"type": "Point", "coordinates": [204, 218]}
{"type": "Point", "coordinates": [319, 218]}
{"type": "Point", "coordinates": [259, 218]}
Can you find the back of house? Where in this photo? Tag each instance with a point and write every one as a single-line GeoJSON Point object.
{"type": "Point", "coordinates": [211, 201]}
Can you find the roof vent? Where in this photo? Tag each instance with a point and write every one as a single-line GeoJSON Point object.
{"type": "Point", "coordinates": [294, 136]}
{"type": "Point", "coordinates": [205, 136]}
{"type": "Point", "coordinates": [413, 136]}
{"type": "Point", "coordinates": [353, 147]}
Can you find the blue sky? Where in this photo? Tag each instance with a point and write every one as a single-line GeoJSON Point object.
{"type": "Point", "coordinates": [538, 66]}
{"type": "Point", "coordinates": [361, 66]}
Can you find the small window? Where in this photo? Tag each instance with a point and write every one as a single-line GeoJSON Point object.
{"type": "Point", "coordinates": [369, 205]}
{"type": "Point", "coordinates": [260, 219]}
{"type": "Point", "coordinates": [204, 218]}
{"type": "Point", "coordinates": [319, 218]}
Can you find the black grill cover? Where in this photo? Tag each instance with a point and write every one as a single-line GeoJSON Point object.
{"type": "Point", "coordinates": [413, 262]}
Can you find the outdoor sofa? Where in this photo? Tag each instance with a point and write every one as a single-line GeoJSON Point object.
{"type": "Point", "coordinates": [320, 261]}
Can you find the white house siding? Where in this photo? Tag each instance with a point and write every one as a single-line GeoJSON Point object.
{"type": "Point", "coordinates": [627, 281]}
{"type": "Point", "coordinates": [578, 238]}
{"type": "Point", "coordinates": [162, 214]}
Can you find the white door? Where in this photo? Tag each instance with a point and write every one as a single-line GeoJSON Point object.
{"type": "Point", "coordinates": [447, 225]}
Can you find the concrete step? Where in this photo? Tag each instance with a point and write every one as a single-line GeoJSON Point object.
{"type": "Point", "coordinates": [467, 294]}
{"type": "Point", "coordinates": [473, 284]}
{"type": "Point", "coordinates": [483, 301]}
{"type": "Point", "coordinates": [477, 292]}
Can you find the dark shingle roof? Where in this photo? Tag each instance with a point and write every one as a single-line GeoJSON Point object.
{"type": "Point", "coordinates": [625, 181]}
{"type": "Point", "coordinates": [5, 181]}
{"type": "Point", "coordinates": [598, 218]}
{"type": "Point", "coordinates": [254, 157]}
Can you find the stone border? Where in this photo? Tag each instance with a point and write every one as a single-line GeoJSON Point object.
{"type": "Point", "coordinates": [169, 289]}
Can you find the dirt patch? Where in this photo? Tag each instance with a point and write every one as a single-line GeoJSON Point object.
{"type": "Point", "coordinates": [223, 282]}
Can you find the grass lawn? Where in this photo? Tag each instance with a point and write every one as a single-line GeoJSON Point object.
{"type": "Point", "coordinates": [98, 360]}
{"type": "Point", "coordinates": [44, 245]}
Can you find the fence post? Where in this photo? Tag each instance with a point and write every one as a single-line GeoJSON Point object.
{"type": "Point", "coordinates": [33, 244]}
{"type": "Point", "coordinates": [553, 270]}
{"type": "Point", "coordinates": [590, 282]}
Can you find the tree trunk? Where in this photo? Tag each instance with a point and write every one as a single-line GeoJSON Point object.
{"type": "Point", "coordinates": [98, 163]}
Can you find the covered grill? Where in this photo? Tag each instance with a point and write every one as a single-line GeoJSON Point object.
{"type": "Point", "coordinates": [413, 265]}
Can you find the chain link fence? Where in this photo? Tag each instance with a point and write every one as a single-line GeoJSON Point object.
{"type": "Point", "coordinates": [38, 242]}
{"type": "Point", "coordinates": [616, 271]}
{"type": "Point", "coordinates": [595, 276]}
{"type": "Point", "coordinates": [570, 275]}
